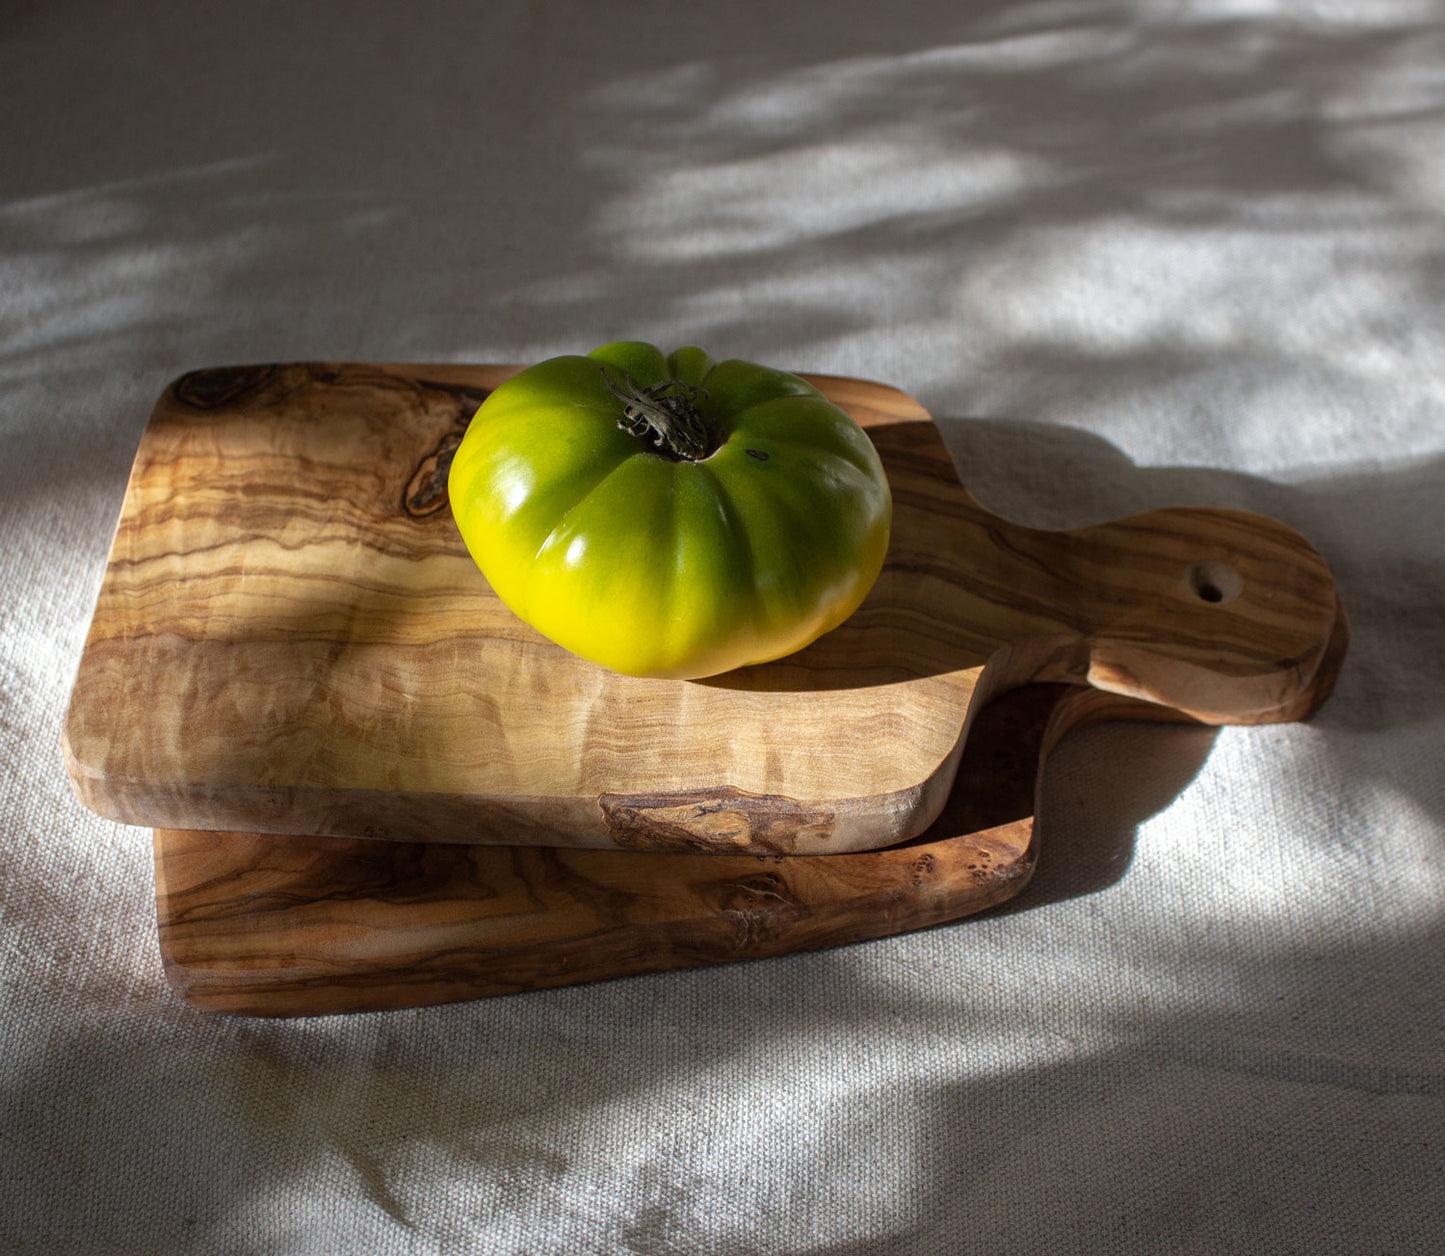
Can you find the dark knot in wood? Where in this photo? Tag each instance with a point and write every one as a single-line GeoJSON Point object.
{"type": "Point", "coordinates": [218, 386]}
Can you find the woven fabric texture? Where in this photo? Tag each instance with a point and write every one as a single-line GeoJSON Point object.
{"type": "Point", "coordinates": [1131, 254]}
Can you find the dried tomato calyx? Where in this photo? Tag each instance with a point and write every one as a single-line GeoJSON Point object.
{"type": "Point", "coordinates": [668, 415]}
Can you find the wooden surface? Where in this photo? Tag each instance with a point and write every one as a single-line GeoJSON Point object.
{"type": "Point", "coordinates": [290, 638]}
{"type": "Point", "coordinates": [262, 925]}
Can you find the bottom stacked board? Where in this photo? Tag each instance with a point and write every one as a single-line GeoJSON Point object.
{"type": "Point", "coordinates": [263, 925]}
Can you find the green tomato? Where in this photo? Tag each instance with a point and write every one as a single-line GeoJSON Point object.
{"type": "Point", "coordinates": [668, 515]}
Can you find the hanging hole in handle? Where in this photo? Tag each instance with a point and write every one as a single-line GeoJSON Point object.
{"type": "Point", "coordinates": [1215, 583]}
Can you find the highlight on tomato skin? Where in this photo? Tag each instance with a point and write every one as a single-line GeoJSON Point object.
{"type": "Point", "coordinates": [669, 515]}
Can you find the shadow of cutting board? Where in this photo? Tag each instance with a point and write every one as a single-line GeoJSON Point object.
{"type": "Point", "coordinates": [291, 639]}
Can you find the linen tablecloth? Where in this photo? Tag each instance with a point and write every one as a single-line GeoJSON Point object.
{"type": "Point", "coordinates": [1179, 252]}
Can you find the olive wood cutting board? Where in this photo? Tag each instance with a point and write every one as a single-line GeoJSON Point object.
{"type": "Point", "coordinates": [260, 925]}
{"type": "Point", "coordinates": [290, 638]}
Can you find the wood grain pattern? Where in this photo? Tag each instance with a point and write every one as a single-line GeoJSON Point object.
{"type": "Point", "coordinates": [290, 638]}
{"type": "Point", "coordinates": [261, 925]}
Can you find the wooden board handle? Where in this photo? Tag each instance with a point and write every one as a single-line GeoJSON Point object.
{"type": "Point", "coordinates": [1220, 614]}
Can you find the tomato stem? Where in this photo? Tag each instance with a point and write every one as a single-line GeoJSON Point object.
{"type": "Point", "coordinates": [667, 413]}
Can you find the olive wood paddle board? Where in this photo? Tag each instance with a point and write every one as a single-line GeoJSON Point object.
{"type": "Point", "coordinates": [261, 925]}
{"type": "Point", "coordinates": [290, 638]}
